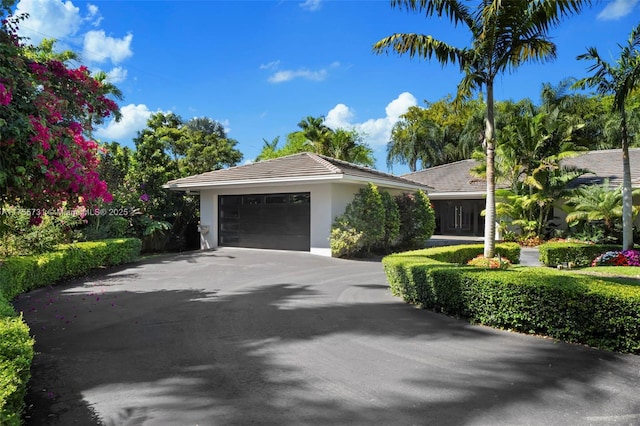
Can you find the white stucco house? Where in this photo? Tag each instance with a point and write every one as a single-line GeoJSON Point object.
{"type": "Point", "coordinates": [287, 203]}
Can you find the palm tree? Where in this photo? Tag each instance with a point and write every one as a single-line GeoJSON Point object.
{"type": "Point", "coordinates": [317, 134]}
{"type": "Point", "coordinates": [619, 79]}
{"type": "Point", "coordinates": [505, 34]}
{"type": "Point", "coordinates": [347, 145]}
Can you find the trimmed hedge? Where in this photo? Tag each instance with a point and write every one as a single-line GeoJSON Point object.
{"type": "Point", "coordinates": [580, 254]}
{"type": "Point", "coordinates": [568, 306]}
{"type": "Point", "coordinates": [21, 274]}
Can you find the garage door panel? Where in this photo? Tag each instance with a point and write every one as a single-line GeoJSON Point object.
{"type": "Point", "coordinates": [275, 221]}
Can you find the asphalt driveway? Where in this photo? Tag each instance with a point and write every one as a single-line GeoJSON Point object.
{"type": "Point", "coordinates": [241, 337]}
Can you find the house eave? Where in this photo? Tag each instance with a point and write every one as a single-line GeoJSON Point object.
{"type": "Point", "coordinates": [288, 181]}
{"type": "Point", "coordinates": [467, 195]}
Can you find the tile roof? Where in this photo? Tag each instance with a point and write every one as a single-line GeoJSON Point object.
{"type": "Point", "coordinates": [296, 167]}
{"type": "Point", "coordinates": [452, 177]}
{"type": "Point", "coordinates": [604, 164]}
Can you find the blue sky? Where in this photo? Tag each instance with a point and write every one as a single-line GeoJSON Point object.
{"type": "Point", "coordinates": [259, 67]}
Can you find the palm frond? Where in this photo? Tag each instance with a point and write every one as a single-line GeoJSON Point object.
{"type": "Point", "coordinates": [422, 46]}
{"type": "Point", "coordinates": [455, 10]}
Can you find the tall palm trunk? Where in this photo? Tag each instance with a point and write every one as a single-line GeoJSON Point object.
{"type": "Point", "coordinates": [490, 208]}
{"type": "Point", "coordinates": [627, 197]}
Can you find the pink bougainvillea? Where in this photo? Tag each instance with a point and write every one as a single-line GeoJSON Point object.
{"type": "Point", "coordinates": [5, 95]}
{"type": "Point", "coordinates": [49, 108]}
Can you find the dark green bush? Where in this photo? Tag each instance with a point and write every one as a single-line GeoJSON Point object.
{"type": "Point", "coordinates": [572, 307]}
{"type": "Point", "coordinates": [19, 274]}
{"type": "Point", "coordinates": [580, 254]}
{"type": "Point", "coordinates": [417, 220]}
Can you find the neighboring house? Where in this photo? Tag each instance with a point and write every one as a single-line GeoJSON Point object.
{"type": "Point", "coordinates": [458, 196]}
{"type": "Point", "coordinates": [287, 203]}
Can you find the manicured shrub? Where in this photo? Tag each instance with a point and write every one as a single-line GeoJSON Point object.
{"type": "Point", "coordinates": [391, 223]}
{"type": "Point", "coordinates": [573, 307]}
{"type": "Point", "coordinates": [365, 215]}
{"type": "Point", "coordinates": [417, 219]}
{"type": "Point", "coordinates": [16, 354]}
{"type": "Point", "coordinates": [580, 254]}
{"type": "Point", "coordinates": [345, 241]}
{"type": "Point", "coordinates": [19, 274]}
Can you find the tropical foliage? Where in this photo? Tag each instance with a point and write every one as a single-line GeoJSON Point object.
{"type": "Point", "coordinates": [168, 148]}
{"type": "Point", "coordinates": [504, 35]}
{"type": "Point", "coordinates": [620, 80]}
{"type": "Point", "coordinates": [599, 205]}
{"type": "Point", "coordinates": [314, 136]}
{"type": "Point", "coordinates": [47, 111]}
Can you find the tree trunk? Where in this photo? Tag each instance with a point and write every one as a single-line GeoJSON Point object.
{"type": "Point", "coordinates": [627, 196]}
{"type": "Point", "coordinates": [490, 208]}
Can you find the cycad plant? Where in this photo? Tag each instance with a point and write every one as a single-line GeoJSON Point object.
{"type": "Point", "coordinates": [598, 204]}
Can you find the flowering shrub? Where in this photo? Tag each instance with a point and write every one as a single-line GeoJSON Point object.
{"type": "Point", "coordinates": [490, 263]}
{"type": "Point", "coordinates": [46, 112]}
{"type": "Point", "coordinates": [618, 258]}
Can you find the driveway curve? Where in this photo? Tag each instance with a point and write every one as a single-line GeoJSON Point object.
{"type": "Point", "coordinates": [242, 337]}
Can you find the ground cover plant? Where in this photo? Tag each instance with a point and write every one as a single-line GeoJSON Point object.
{"type": "Point", "coordinates": [19, 274]}
{"type": "Point", "coordinates": [601, 311]}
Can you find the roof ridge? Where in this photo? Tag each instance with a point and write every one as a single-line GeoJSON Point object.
{"type": "Point", "coordinates": [322, 160]}
{"type": "Point", "coordinates": [441, 166]}
{"type": "Point", "coordinates": [377, 172]}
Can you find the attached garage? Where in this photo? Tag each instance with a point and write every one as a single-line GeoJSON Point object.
{"type": "Point", "coordinates": [271, 221]}
{"type": "Point", "coordinates": [287, 203]}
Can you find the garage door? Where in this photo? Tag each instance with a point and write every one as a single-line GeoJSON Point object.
{"type": "Point", "coordinates": [273, 221]}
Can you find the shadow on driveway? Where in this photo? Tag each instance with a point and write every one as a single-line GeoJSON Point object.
{"type": "Point", "coordinates": [321, 349]}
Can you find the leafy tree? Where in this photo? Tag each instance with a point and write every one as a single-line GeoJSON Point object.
{"type": "Point", "coordinates": [620, 80]}
{"type": "Point", "coordinates": [314, 136]}
{"type": "Point", "coordinates": [47, 111]}
{"type": "Point", "coordinates": [504, 34]}
{"type": "Point", "coordinates": [295, 144]}
{"type": "Point", "coordinates": [439, 133]}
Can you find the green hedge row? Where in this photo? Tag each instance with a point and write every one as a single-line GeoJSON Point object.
{"type": "Point", "coordinates": [21, 274]}
{"type": "Point", "coordinates": [580, 254]}
{"type": "Point", "coordinates": [560, 304]}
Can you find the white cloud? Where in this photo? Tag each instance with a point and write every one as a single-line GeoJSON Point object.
{"type": "Point", "coordinates": [134, 119]}
{"type": "Point", "coordinates": [48, 19]}
{"type": "Point", "coordinates": [270, 66]}
{"type": "Point", "coordinates": [339, 117]}
{"type": "Point", "coordinates": [288, 75]}
{"type": "Point", "coordinates": [311, 5]}
{"type": "Point", "coordinates": [94, 15]}
{"type": "Point", "coordinates": [117, 75]}
{"type": "Point", "coordinates": [377, 131]}
{"type": "Point", "coordinates": [617, 9]}
{"type": "Point", "coordinates": [99, 47]}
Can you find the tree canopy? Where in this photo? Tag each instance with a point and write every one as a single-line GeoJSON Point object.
{"type": "Point", "coordinates": [47, 112]}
